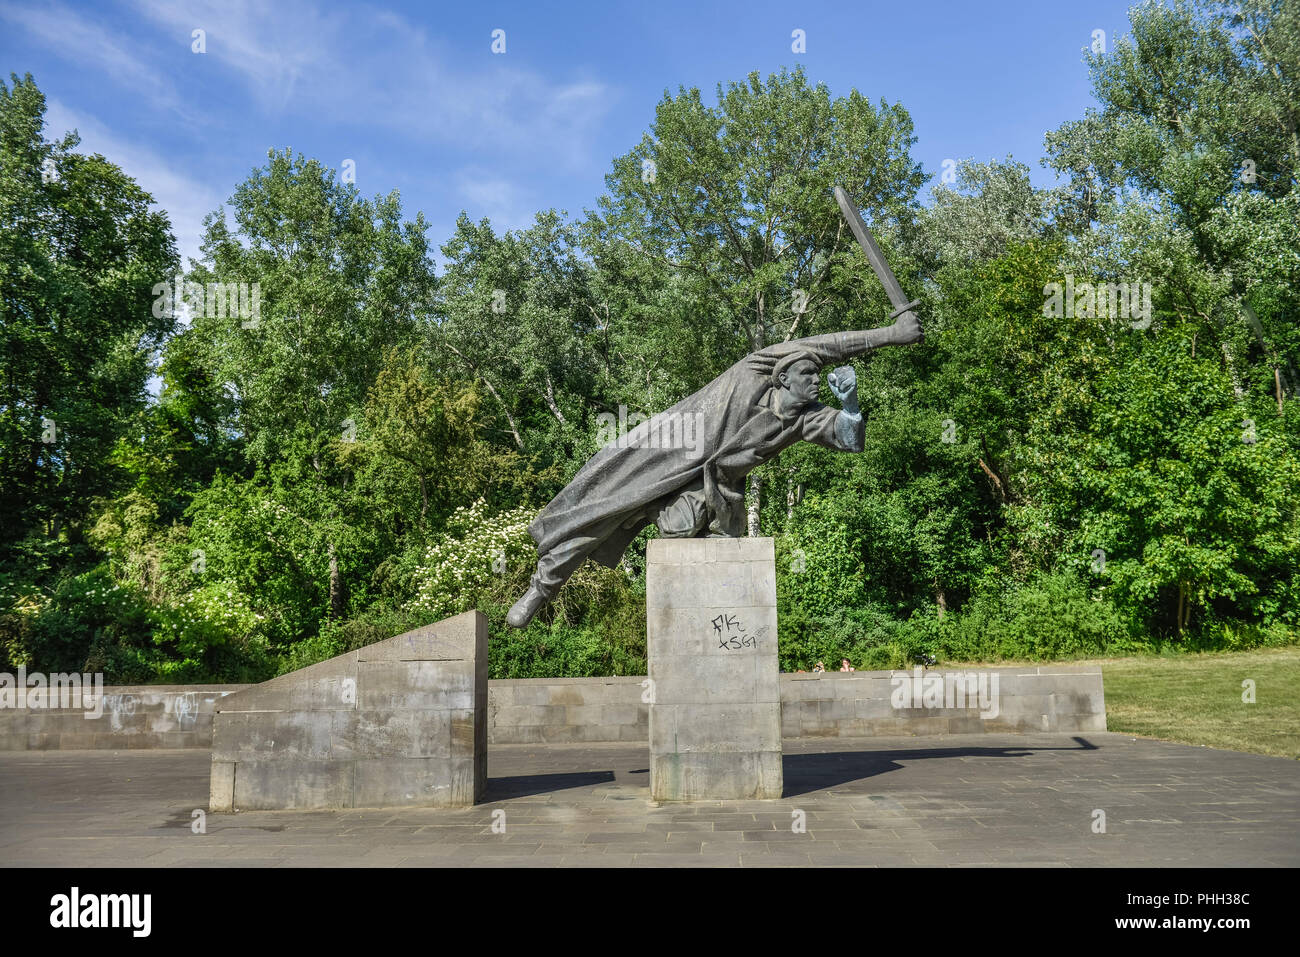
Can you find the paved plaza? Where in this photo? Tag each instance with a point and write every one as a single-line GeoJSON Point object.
{"type": "Point", "coordinates": [934, 801]}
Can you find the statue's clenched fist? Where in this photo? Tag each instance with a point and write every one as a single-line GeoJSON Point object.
{"type": "Point", "coordinates": [907, 329]}
{"type": "Point", "coordinates": [843, 382]}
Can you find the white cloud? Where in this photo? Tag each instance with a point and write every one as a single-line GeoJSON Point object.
{"type": "Point", "coordinates": [498, 199]}
{"type": "Point", "coordinates": [275, 47]}
{"type": "Point", "coordinates": [370, 68]}
{"type": "Point", "coordinates": [368, 79]}
{"type": "Point", "coordinates": [185, 200]}
{"type": "Point", "coordinates": [93, 45]}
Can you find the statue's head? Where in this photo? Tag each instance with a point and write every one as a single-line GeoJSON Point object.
{"type": "Point", "coordinates": [799, 382]}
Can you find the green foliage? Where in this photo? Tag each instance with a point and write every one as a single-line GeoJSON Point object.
{"type": "Point", "coordinates": [80, 251]}
{"type": "Point", "coordinates": [821, 561]}
{"type": "Point", "coordinates": [216, 635]}
{"type": "Point", "coordinates": [1053, 616]}
{"type": "Point", "coordinates": [89, 623]}
{"type": "Point", "coordinates": [459, 567]}
{"type": "Point", "coordinates": [365, 457]}
{"type": "Point", "coordinates": [560, 650]}
{"type": "Point", "coordinates": [325, 644]}
{"type": "Point", "coordinates": [596, 626]}
{"type": "Point", "coordinates": [870, 637]}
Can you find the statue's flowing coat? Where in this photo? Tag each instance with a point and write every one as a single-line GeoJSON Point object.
{"type": "Point", "coordinates": [735, 427]}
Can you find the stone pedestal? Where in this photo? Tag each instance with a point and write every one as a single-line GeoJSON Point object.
{"type": "Point", "coordinates": [715, 713]}
{"type": "Point", "coordinates": [400, 723]}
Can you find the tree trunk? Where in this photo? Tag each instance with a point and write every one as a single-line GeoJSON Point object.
{"type": "Point", "coordinates": [940, 600]}
{"type": "Point", "coordinates": [1237, 389]}
{"type": "Point", "coordinates": [992, 471]}
{"type": "Point", "coordinates": [755, 501]}
{"type": "Point", "coordinates": [336, 586]}
{"type": "Point", "coordinates": [550, 403]}
{"type": "Point", "coordinates": [514, 428]}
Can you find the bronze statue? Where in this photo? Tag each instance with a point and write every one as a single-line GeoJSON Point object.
{"type": "Point", "coordinates": [762, 404]}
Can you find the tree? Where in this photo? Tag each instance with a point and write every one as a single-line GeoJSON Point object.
{"type": "Point", "coordinates": [80, 252]}
{"type": "Point", "coordinates": [436, 430]}
{"type": "Point", "coordinates": [517, 315]}
{"type": "Point", "coordinates": [1198, 118]}
{"type": "Point", "coordinates": [733, 205]}
{"type": "Point", "coordinates": [340, 280]}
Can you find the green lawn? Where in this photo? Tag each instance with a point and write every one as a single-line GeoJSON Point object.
{"type": "Point", "coordinates": [1196, 699]}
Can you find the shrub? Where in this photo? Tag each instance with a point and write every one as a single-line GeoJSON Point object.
{"type": "Point", "coordinates": [820, 568]}
{"type": "Point", "coordinates": [1052, 616]}
{"type": "Point", "coordinates": [91, 623]}
{"type": "Point", "coordinates": [311, 650]}
{"type": "Point", "coordinates": [867, 636]}
{"type": "Point", "coordinates": [595, 626]}
{"type": "Point", "coordinates": [469, 557]}
{"type": "Point", "coordinates": [216, 636]}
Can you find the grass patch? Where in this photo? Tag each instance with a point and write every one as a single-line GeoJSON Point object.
{"type": "Point", "coordinates": [1196, 698]}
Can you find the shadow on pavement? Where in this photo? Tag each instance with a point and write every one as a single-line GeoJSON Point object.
{"type": "Point", "coordinates": [816, 772]}
{"type": "Point", "coordinates": [524, 785]}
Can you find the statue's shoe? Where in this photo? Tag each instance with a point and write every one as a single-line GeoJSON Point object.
{"type": "Point", "coordinates": [522, 611]}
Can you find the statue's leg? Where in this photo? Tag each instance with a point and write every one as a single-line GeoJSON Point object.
{"type": "Point", "coordinates": [683, 516]}
{"type": "Point", "coordinates": [555, 567]}
{"type": "Point", "coordinates": [728, 518]}
{"type": "Point", "coordinates": [553, 570]}
{"type": "Point", "coordinates": [729, 521]}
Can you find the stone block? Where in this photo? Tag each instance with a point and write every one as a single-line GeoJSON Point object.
{"type": "Point", "coordinates": [413, 782]}
{"type": "Point", "coordinates": [616, 714]}
{"type": "Point", "coordinates": [405, 685]}
{"type": "Point", "coordinates": [571, 694]}
{"type": "Point", "coordinates": [76, 741]}
{"type": "Point", "coordinates": [872, 708]}
{"type": "Point", "coordinates": [582, 715]}
{"type": "Point", "coordinates": [526, 692]}
{"type": "Point", "coordinates": [724, 727]}
{"type": "Point", "coordinates": [400, 723]}
{"type": "Point", "coordinates": [633, 732]}
{"type": "Point", "coordinates": [716, 719]}
{"type": "Point", "coordinates": [1085, 722]}
{"type": "Point", "coordinates": [221, 786]}
{"type": "Point", "coordinates": [715, 775]}
{"type": "Point", "coordinates": [516, 734]}
{"type": "Point", "coordinates": [282, 783]}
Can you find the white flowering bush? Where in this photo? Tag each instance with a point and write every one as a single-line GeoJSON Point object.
{"type": "Point", "coordinates": [473, 554]}
{"type": "Point", "coordinates": [215, 616]}
{"type": "Point", "coordinates": [85, 622]}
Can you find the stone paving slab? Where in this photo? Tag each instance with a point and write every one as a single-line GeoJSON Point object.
{"type": "Point", "coordinates": [956, 801]}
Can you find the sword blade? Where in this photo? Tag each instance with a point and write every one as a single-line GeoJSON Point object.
{"type": "Point", "coordinates": [869, 247]}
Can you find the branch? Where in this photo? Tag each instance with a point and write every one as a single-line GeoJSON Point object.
{"type": "Point", "coordinates": [514, 429]}
{"type": "Point", "coordinates": [550, 402]}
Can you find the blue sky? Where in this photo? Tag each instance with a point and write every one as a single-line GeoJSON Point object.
{"type": "Point", "coordinates": [413, 93]}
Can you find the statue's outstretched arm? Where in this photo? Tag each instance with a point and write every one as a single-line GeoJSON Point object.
{"type": "Point", "coordinates": [838, 347]}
